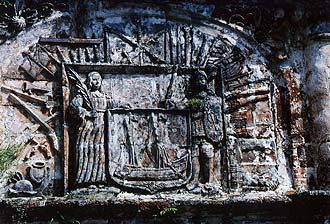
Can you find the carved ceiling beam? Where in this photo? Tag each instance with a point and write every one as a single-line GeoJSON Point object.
{"type": "Point", "coordinates": [70, 41]}
{"type": "Point", "coordinates": [133, 69]}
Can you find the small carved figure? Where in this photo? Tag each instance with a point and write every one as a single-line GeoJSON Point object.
{"type": "Point", "coordinates": [90, 105]}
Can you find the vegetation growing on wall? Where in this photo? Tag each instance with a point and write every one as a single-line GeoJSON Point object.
{"type": "Point", "coordinates": [8, 153]}
{"type": "Point", "coordinates": [194, 103]}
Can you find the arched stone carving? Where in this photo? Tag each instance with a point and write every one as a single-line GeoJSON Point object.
{"type": "Point", "coordinates": [187, 104]}
{"type": "Point", "coordinates": [242, 148]}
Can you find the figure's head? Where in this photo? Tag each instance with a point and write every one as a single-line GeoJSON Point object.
{"type": "Point", "coordinates": [93, 81]}
{"type": "Point", "coordinates": [201, 79]}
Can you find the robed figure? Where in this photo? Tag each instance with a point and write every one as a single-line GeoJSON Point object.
{"type": "Point", "coordinates": [90, 105]}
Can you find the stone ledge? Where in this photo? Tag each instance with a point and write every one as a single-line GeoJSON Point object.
{"type": "Point", "coordinates": [307, 206]}
{"type": "Point", "coordinates": [105, 205]}
{"type": "Point", "coordinates": [104, 198]}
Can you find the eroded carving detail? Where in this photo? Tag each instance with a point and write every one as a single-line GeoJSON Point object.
{"type": "Point", "coordinates": [153, 149]}
{"type": "Point", "coordinates": [32, 180]}
{"type": "Point", "coordinates": [21, 186]}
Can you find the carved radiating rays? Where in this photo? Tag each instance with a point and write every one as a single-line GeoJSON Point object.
{"type": "Point", "coordinates": [175, 45]}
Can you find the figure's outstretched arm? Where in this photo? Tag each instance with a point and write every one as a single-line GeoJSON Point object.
{"type": "Point", "coordinates": [117, 104]}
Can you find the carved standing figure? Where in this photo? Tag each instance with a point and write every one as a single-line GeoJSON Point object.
{"type": "Point", "coordinates": [207, 133]}
{"type": "Point", "coordinates": [90, 105]}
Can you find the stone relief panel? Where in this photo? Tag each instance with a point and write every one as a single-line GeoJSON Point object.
{"type": "Point", "coordinates": [123, 131]}
{"type": "Point", "coordinates": [151, 103]}
{"type": "Point", "coordinates": [218, 79]}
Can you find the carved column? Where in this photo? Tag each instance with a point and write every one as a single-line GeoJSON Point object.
{"type": "Point", "coordinates": [317, 60]}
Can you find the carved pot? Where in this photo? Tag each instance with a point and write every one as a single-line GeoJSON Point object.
{"type": "Point", "coordinates": [38, 171]}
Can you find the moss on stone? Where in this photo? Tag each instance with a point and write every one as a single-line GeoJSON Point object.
{"type": "Point", "coordinates": [8, 154]}
{"type": "Point", "coordinates": [194, 103]}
